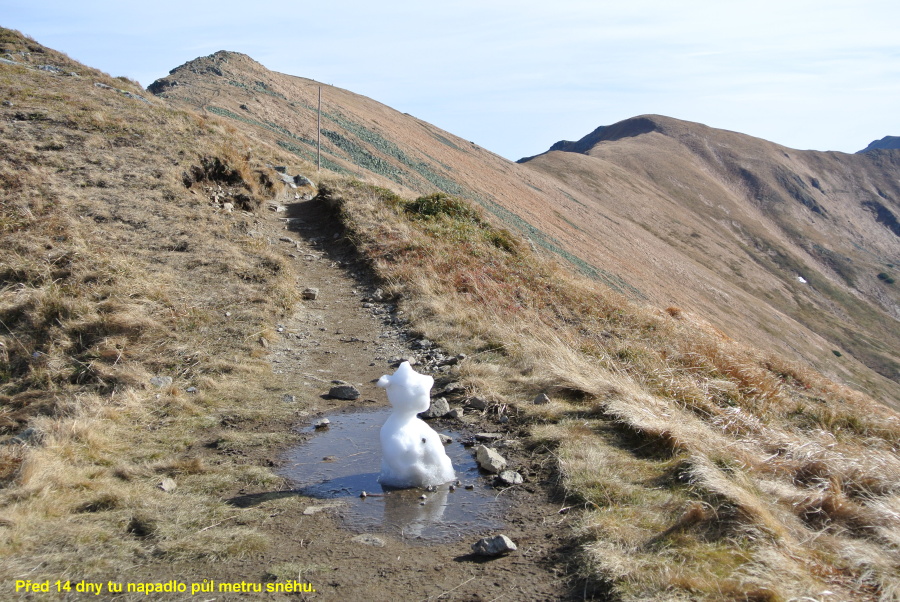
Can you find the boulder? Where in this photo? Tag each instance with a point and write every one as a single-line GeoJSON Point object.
{"type": "Point", "coordinates": [489, 460]}
{"type": "Point", "coordinates": [510, 477]}
{"type": "Point", "coordinates": [438, 409]}
{"type": "Point", "coordinates": [342, 390]}
{"type": "Point", "coordinates": [494, 546]}
{"type": "Point", "coordinates": [541, 399]}
{"type": "Point", "coordinates": [478, 403]}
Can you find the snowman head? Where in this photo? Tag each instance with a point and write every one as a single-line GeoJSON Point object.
{"type": "Point", "coordinates": [407, 390]}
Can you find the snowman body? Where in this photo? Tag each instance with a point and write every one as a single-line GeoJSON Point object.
{"type": "Point", "coordinates": [412, 454]}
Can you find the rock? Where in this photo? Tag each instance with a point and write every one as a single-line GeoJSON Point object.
{"type": "Point", "coordinates": [161, 382]}
{"type": "Point", "coordinates": [288, 398]}
{"type": "Point", "coordinates": [489, 460]}
{"type": "Point", "coordinates": [438, 409]}
{"type": "Point", "coordinates": [310, 294]}
{"type": "Point", "coordinates": [493, 546]}
{"type": "Point", "coordinates": [477, 403]}
{"type": "Point", "coordinates": [510, 477]}
{"type": "Point", "coordinates": [422, 344]}
{"type": "Point", "coordinates": [451, 390]}
{"type": "Point", "coordinates": [321, 423]}
{"type": "Point", "coordinates": [288, 239]}
{"type": "Point", "coordinates": [455, 413]}
{"type": "Point", "coordinates": [191, 390]}
{"type": "Point", "coordinates": [446, 440]}
{"type": "Point", "coordinates": [26, 437]}
{"type": "Point", "coordinates": [344, 391]}
{"type": "Point", "coordinates": [488, 436]}
{"type": "Point", "coordinates": [168, 485]}
{"type": "Point", "coordinates": [228, 207]}
{"type": "Point", "coordinates": [542, 399]}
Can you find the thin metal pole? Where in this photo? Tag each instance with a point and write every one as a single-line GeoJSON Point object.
{"type": "Point", "coordinates": [319, 133]}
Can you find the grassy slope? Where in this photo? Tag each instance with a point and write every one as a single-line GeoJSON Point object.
{"type": "Point", "coordinates": [756, 216]}
{"type": "Point", "coordinates": [698, 468]}
{"type": "Point", "coordinates": [704, 469]}
{"type": "Point", "coordinates": [670, 219]}
{"type": "Point", "coordinates": [113, 271]}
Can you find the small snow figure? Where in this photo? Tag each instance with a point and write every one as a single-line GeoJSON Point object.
{"type": "Point", "coordinates": [411, 451]}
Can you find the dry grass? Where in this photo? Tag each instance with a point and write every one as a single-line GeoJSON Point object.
{"type": "Point", "coordinates": [705, 469]}
{"type": "Point", "coordinates": [114, 268]}
{"type": "Point", "coordinates": [701, 469]}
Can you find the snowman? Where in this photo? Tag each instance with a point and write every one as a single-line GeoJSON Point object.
{"type": "Point", "coordinates": [411, 451]}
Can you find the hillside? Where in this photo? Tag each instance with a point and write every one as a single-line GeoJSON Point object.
{"type": "Point", "coordinates": [666, 212]}
{"type": "Point", "coordinates": [162, 350]}
{"type": "Point", "coordinates": [799, 246]}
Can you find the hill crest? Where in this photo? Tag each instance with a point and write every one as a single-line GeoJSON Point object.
{"type": "Point", "coordinates": [630, 204]}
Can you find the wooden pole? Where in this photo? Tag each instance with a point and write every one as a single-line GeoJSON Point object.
{"type": "Point", "coordinates": [319, 133]}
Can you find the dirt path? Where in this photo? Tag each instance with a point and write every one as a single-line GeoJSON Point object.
{"type": "Point", "coordinates": [346, 335]}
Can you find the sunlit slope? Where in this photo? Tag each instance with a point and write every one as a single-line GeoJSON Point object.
{"type": "Point", "coordinates": [788, 248]}
{"type": "Point", "coordinates": [653, 212]}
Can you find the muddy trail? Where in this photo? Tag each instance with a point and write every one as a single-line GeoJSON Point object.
{"type": "Point", "coordinates": [406, 545]}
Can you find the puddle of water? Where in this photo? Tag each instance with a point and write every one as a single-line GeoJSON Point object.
{"type": "Point", "coordinates": [345, 460]}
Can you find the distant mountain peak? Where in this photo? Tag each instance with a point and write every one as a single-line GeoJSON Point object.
{"type": "Point", "coordinates": [627, 128]}
{"type": "Point", "coordinates": [886, 143]}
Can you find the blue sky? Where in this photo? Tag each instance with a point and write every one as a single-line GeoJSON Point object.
{"type": "Point", "coordinates": [515, 77]}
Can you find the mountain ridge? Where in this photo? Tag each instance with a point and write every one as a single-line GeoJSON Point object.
{"type": "Point", "coordinates": [886, 143]}
{"type": "Point", "coordinates": [652, 162]}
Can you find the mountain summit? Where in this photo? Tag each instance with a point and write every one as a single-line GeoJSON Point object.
{"type": "Point", "coordinates": [886, 143]}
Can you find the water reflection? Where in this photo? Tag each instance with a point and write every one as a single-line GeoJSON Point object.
{"type": "Point", "coordinates": [345, 460]}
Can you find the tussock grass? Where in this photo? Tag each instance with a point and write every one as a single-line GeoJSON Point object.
{"type": "Point", "coordinates": [116, 268]}
{"type": "Point", "coordinates": [704, 469]}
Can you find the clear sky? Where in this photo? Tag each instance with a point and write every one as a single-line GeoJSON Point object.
{"type": "Point", "coordinates": [516, 76]}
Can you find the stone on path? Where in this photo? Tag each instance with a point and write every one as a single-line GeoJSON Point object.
{"type": "Point", "coordinates": [438, 409]}
{"type": "Point", "coordinates": [510, 477]}
{"type": "Point", "coordinates": [477, 402]}
{"type": "Point", "coordinates": [342, 390]}
{"type": "Point", "coordinates": [489, 460]}
{"type": "Point", "coordinates": [494, 546]}
{"type": "Point", "coordinates": [542, 399]}
{"type": "Point", "coordinates": [310, 294]}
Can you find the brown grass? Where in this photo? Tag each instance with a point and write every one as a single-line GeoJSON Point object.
{"type": "Point", "coordinates": [113, 270]}
{"type": "Point", "coordinates": [705, 469]}
{"type": "Point", "coordinates": [699, 468]}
